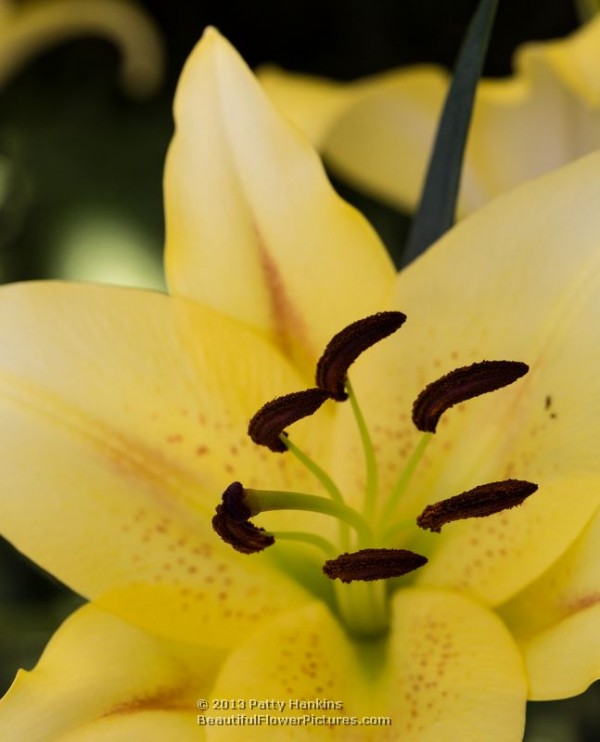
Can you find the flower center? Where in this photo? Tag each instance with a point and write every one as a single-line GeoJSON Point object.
{"type": "Point", "coordinates": [360, 563]}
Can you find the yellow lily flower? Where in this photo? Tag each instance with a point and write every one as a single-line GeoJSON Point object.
{"type": "Point", "coordinates": [378, 132]}
{"type": "Point", "coordinates": [124, 416]}
{"type": "Point", "coordinates": [28, 27]}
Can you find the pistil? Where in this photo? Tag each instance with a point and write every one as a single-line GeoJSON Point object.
{"type": "Point", "coordinates": [361, 573]}
{"type": "Point", "coordinates": [363, 608]}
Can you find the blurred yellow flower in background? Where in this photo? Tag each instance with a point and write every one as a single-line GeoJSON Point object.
{"type": "Point", "coordinates": [377, 132]}
{"type": "Point", "coordinates": [29, 27]}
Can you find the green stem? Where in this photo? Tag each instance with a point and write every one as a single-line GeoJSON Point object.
{"type": "Point", "coordinates": [259, 501]}
{"type": "Point", "coordinates": [314, 468]}
{"type": "Point", "coordinates": [372, 484]}
{"type": "Point", "coordinates": [324, 478]}
{"type": "Point", "coordinates": [405, 477]}
{"type": "Point", "coordinates": [306, 538]}
{"type": "Point", "coordinates": [363, 607]}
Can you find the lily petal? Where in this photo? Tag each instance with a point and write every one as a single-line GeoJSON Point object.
{"type": "Point", "coordinates": [378, 132]}
{"type": "Point", "coordinates": [153, 726]}
{"type": "Point", "coordinates": [124, 416]}
{"type": "Point", "coordinates": [555, 621]}
{"type": "Point", "coordinates": [100, 678]}
{"type": "Point", "coordinates": [450, 668]}
{"type": "Point", "coordinates": [28, 28]}
{"type": "Point", "coordinates": [302, 655]}
{"type": "Point", "coordinates": [503, 285]}
{"type": "Point", "coordinates": [254, 228]}
{"type": "Point", "coordinates": [464, 677]}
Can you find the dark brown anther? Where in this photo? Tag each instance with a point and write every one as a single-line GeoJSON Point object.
{"type": "Point", "coordinates": [233, 502]}
{"type": "Point", "coordinates": [373, 564]}
{"type": "Point", "coordinates": [462, 384]}
{"type": "Point", "coordinates": [242, 535]}
{"type": "Point", "coordinates": [345, 347]}
{"type": "Point", "coordinates": [479, 502]}
{"type": "Point", "coordinates": [272, 419]}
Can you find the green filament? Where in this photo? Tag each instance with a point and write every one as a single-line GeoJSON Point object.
{"type": "Point", "coordinates": [306, 538]}
{"type": "Point", "coordinates": [404, 478]}
{"type": "Point", "coordinates": [327, 482]}
{"type": "Point", "coordinates": [259, 501]}
{"type": "Point", "coordinates": [372, 476]}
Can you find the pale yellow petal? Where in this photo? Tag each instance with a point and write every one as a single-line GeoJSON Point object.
{"type": "Point", "coordinates": [543, 117]}
{"type": "Point", "coordinates": [453, 671]}
{"type": "Point", "coordinates": [29, 28]}
{"type": "Point", "coordinates": [151, 726]}
{"type": "Point", "coordinates": [302, 656]}
{"type": "Point", "coordinates": [555, 621]}
{"type": "Point", "coordinates": [100, 678]}
{"type": "Point", "coordinates": [448, 670]}
{"type": "Point", "coordinates": [520, 281]}
{"type": "Point", "coordinates": [254, 228]}
{"type": "Point", "coordinates": [313, 104]}
{"type": "Point", "coordinates": [573, 60]}
{"type": "Point", "coordinates": [124, 417]}
{"type": "Point", "coordinates": [378, 132]}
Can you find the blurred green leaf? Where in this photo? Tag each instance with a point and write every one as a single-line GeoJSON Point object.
{"type": "Point", "coordinates": [436, 211]}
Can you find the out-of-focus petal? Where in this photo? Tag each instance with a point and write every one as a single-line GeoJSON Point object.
{"type": "Point", "coordinates": [100, 678]}
{"type": "Point", "coordinates": [151, 726]}
{"type": "Point", "coordinates": [27, 28]}
{"type": "Point", "coordinates": [378, 132]}
{"type": "Point", "coordinates": [555, 620]}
